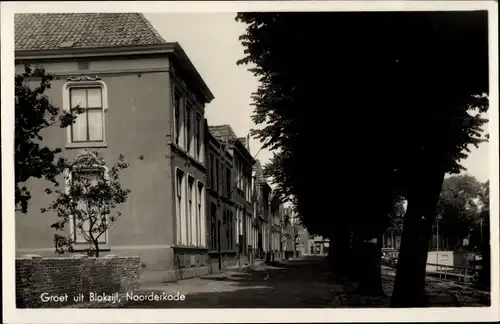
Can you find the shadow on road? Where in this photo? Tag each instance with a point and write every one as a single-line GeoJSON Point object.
{"type": "Point", "coordinates": [299, 283]}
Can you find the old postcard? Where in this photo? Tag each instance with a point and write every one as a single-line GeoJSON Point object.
{"type": "Point", "coordinates": [250, 161]}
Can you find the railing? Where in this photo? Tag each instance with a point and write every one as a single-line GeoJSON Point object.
{"type": "Point", "coordinates": [442, 271]}
{"type": "Point", "coordinates": [461, 273]}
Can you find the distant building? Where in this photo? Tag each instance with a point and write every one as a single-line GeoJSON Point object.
{"type": "Point", "coordinates": [241, 182]}
{"type": "Point", "coordinates": [290, 231]}
{"type": "Point", "coordinates": [277, 224]}
{"type": "Point", "coordinates": [262, 203]}
{"type": "Point", "coordinates": [220, 203]}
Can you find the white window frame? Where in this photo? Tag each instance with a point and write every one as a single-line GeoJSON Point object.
{"type": "Point", "coordinates": [190, 217]}
{"type": "Point", "coordinates": [202, 233]}
{"type": "Point", "coordinates": [181, 130]}
{"type": "Point", "coordinates": [199, 138]}
{"type": "Point", "coordinates": [68, 176]}
{"type": "Point", "coordinates": [189, 132]}
{"type": "Point", "coordinates": [180, 211]}
{"type": "Point", "coordinates": [85, 83]}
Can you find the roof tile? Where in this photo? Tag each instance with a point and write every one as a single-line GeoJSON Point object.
{"type": "Point", "coordinates": [83, 30]}
{"type": "Point", "coordinates": [224, 132]}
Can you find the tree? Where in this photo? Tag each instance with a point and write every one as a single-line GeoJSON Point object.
{"type": "Point", "coordinates": [405, 116]}
{"type": "Point", "coordinates": [397, 215]}
{"type": "Point", "coordinates": [458, 206]}
{"type": "Point", "coordinates": [483, 227]}
{"type": "Point", "coordinates": [33, 114]}
{"type": "Point", "coordinates": [87, 204]}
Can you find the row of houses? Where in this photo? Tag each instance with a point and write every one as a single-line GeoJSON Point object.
{"type": "Point", "coordinates": [199, 201]}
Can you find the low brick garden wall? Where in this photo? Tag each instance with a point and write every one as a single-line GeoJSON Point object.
{"type": "Point", "coordinates": [59, 282]}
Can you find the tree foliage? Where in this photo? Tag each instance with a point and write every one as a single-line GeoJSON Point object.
{"type": "Point", "coordinates": [391, 105]}
{"type": "Point", "coordinates": [88, 202]}
{"type": "Point", "coordinates": [33, 114]}
{"type": "Point", "coordinates": [459, 207]}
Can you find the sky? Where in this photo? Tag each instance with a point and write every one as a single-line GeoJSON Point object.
{"type": "Point", "coordinates": [212, 44]}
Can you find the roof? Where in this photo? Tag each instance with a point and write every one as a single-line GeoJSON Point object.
{"type": "Point", "coordinates": [44, 31]}
{"type": "Point", "coordinates": [222, 132]}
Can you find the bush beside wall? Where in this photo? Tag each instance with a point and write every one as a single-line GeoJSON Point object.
{"type": "Point", "coordinates": [73, 276]}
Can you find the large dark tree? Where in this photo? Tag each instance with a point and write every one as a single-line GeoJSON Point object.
{"type": "Point", "coordinates": [33, 114]}
{"type": "Point", "coordinates": [368, 103]}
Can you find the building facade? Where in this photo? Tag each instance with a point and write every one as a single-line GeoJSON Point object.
{"type": "Point", "coordinates": [220, 204]}
{"type": "Point", "coordinates": [142, 97]}
{"type": "Point", "coordinates": [262, 204]}
{"type": "Point", "coordinates": [242, 187]}
{"type": "Point", "coordinates": [291, 231]}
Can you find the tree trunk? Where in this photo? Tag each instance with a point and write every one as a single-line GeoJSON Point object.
{"type": "Point", "coordinates": [340, 247]}
{"type": "Point", "coordinates": [356, 257]}
{"type": "Point", "coordinates": [409, 286]}
{"type": "Point", "coordinates": [370, 274]}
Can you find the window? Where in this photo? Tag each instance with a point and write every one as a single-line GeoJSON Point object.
{"type": "Point", "coordinates": [231, 226]}
{"type": "Point", "coordinates": [240, 223]}
{"type": "Point", "coordinates": [180, 212]}
{"type": "Point", "coordinates": [216, 175]}
{"type": "Point", "coordinates": [221, 180]}
{"type": "Point", "coordinates": [189, 135]}
{"type": "Point", "coordinates": [237, 228]}
{"type": "Point", "coordinates": [212, 165]}
{"type": "Point", "coordinates": [177, 116]}
{"type": "Point", "coordinates": [228, 229]}
{"type": "Point", "coordinates": [228, 182]}
{"type": "Point", "coordinates": [80, 226]}
{"type": "Point", "coordinates": [200, 215]}
{"type": "Point", "coordinates": [191, 222]}
{"type": "Point", "coordinates": [213, 227]}
{"type": "Point", "coordinates": [199, 139]}
{"type": "Point", "coordinates": [89, 124]}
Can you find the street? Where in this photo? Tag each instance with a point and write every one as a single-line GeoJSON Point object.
{"type": "Point", "coordinates": [300, 283]}
{"type": "Point", "coordinates": [297, 284]}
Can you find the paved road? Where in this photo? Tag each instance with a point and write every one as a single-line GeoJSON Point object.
{"type": "Point", "coordinates": [297, 284]}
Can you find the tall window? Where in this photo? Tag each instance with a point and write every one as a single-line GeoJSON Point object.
{"type": "Point", "coordinates": [213, 227]}
{"type": "Point", "coordinates": [89, 125]}
{"type": "Point", "coordinates": [228, 229]}
{"type": "Point", "coordinates": [228, 182]}
{"type": "Point", "coordinates": [240, 223]}
{"type": "Point", "coordinates": [198, 215]}
{"type": "Point", "coordinates": [191, 219]}
{"type": "Point", "coordinates": [177, 116]}
{"type": "Point", "coordinates": [231, 239]}
{"type": "Point", "coordinates": [198, 137]}
{"type": "Point", "coordinates": [180, 214]}
{"type": "Point", "coordinates": [237, 228]}
{"type": "Point", "coordinates": [222, 180]}
{"type": "Point", "coordinates": [217, 175]}
{"type": "Point", "coordinates": [201, 216]}
{"type": "Point", "coordinates": [212, 165]}
{"type": "Point", "coordinates": [189, 134]}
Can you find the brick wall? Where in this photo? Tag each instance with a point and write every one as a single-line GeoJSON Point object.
{"type": "Point", "coordinates": [72, 276]}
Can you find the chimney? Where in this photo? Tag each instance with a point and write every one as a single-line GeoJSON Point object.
{"type": "Point", "coordinates": [248, 142]}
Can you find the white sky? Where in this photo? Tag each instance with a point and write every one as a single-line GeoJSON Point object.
{"type": "Point", "coordinates": [211, 42]}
